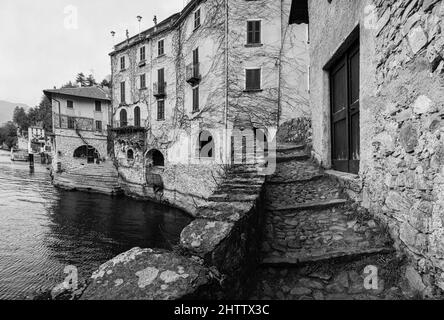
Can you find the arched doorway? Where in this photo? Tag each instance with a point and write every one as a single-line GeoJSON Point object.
{"type": "Point", "coordinates": [123, 118]}
{"type": "Point", "coordinates": [86, 152]}
{"type": "Point", "coordinates": [155, 158]}
{"type": "Point", "coordinates": [137, 117]}
{"type": "Point", "coordinates": [206, 145]}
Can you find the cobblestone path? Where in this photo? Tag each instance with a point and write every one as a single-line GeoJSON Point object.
{"type": "Point", "coordinates": [317, 244]}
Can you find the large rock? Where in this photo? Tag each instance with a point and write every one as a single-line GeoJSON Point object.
{"type": "Point", "coordinates": [146, 274]}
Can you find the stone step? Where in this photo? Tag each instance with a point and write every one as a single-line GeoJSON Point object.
{"type": "Point", "coordinates": [277, 181]}
{"type": "Point", "coordinates": [300, 257]}
{"type": "Point", "coordinates": [310, 205]}
{"type": "Point", "coordinates": [223, 197]}
{"type": "Point", "coordinates": [290, 157]}
{"type": "Point", "coordinates": [290, 147]}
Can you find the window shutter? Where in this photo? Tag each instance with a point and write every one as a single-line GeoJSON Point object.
{"type": "Point", "coordinates": [250, 32]}
{"type": "Point", "coordinates": [257, 32]}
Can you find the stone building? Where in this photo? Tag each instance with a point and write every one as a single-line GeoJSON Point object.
{"type": "Point", "coordinates": [180, 87]}
{"type": "Point", "coordinates": [81, 117]}
{"type": "Point", "coordinates": [377, 101]}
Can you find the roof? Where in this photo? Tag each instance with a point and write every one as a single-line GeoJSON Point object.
{"type": "Point", "coordinates": [94, 92]}
{"type": "Point", "coordinates": [167, 24]}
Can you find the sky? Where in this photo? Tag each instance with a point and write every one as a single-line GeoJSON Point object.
{"type": "Point", "coordinates": [46, 43]}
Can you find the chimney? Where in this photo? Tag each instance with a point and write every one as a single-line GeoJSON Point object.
{"type": "Point", "coordinates": [155, 23]}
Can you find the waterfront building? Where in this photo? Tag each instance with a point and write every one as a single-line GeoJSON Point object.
{"type": "Point", "coordinates": [180, 88]}
{"type": "Point", "coordinates": [81, 119]}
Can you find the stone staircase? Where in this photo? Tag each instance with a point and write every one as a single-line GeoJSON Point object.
{"type": "Point", "coordinates": [312, 226]}
{"type": "Point", "coordinates": [100, 178]}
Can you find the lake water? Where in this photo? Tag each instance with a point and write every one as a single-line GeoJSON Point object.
{"type": "Point", "coordinates": [43, 229]}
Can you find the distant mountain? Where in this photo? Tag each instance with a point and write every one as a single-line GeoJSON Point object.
{"type": "Point", "coordinates": [7, 110]}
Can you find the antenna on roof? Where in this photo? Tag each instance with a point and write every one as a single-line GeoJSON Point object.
{"type": "Point", "coordinates": [139, 18]}
{"type": "Point", "coordinates": [113, 34]}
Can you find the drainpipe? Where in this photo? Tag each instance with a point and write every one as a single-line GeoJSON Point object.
{"type": "Point", "coordinates": [280, 66]}
{"type": "Point", "coordinates": [226, 83]}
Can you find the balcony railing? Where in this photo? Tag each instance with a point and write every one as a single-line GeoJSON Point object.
{"type": "Point", "coordinates": [159, 89]}
{"type": "Point", "coordinates": [193, 76]}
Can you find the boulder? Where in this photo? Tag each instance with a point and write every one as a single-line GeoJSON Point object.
{"type": "Point", "coordinates": [147, 274]}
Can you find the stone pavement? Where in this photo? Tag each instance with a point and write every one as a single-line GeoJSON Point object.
{"type": "Point", "coordinates": [311, 222]}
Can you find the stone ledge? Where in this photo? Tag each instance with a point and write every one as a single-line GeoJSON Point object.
{"type": "Point", "coordinates": [313, 205]}
{"type": "Point", "coordinates": [202, 237]}
{"type": "Point", "coordinates": [310, 257]}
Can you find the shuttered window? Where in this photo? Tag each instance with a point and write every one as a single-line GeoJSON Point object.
{"type": "Point", "coordinates": [253, 79]}
{"type": "Point", "coordinates": [142, 54]}
{"type": "Point", "coordinates": [161, 110]}
{"type": "Point", "coordinates": [122, 92]}
{"type": "Point", "coordinates": [122, 63]}
{"type": "Point", "coordinates": [195, 99]}
{"type": "Point", "coordinates": [98, 125]}
{"type": "Point", "coordinates": [142, 81]}
{"type": "Point", "coordinates": [254, 32]}
{"type": "Point", "coordinates": [197, 19]}
{"type": "Point", "coordinates": [161, 48]}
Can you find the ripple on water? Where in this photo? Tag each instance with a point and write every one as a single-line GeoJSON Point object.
{"type": "Point", "coordinates": [43, 229]}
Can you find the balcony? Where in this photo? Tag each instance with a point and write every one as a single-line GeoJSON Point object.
{"type": "Point", "coordinates": [193, 76]}
{"type": "Point", "coordinates": [159, 89]}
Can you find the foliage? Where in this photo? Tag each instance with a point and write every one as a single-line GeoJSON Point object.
{"type": "Point", "coordinates": [8, 135]}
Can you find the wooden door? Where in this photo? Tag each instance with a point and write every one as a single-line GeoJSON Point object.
{"type": "Point", "coordinates": [344, 88]}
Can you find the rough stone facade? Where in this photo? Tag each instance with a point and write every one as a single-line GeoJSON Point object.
{"type": "Point", "coordinates": [215, 258]}
{"type": "Point", "coordinates": [401, 105]}
{"type": "Point", "coordinates": [224, 102]}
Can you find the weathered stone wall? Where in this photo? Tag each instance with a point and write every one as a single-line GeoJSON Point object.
{"type": "Point", "coordinates": [401, 105]}
{"type": "Point", "coordinates": [404, 176]}
{"type": "Point", "coordinates": [217, 254]}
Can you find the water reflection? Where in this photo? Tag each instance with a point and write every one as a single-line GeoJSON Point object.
{"type": "Point", "coordinates": [43, 229]}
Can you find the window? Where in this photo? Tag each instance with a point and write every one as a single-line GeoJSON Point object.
{"type": "Point", "coordinates": [137, 117]}
{"type": "Point", "coordinates": [123, 118]}
{"type": "Point", "coordinates": [197, 19]}
{"type": "Point", "coordinates": [122, 92]}
{"type": "Point", "coordinates": [98, 125]}
{"type": "Point", "coordinates": [122, 63]}
{"type": "Point", "coordinates": [253, 32]}
{"type": "Point", "coordinates": [142, 54]}
{"type": "Point", "coordinates": [196, 99]}
{"type": "Point", "coordinates": [161, 110]}
{"type": "Point", "coordinates": [98, 106]}
{"type": "Point", "coordinates": [142, 81]}
{"type": "Point", "coordinates": [253, 79]}
{"type": "Point", "coordinates": [130, 154]}
{"type": "Point", "coordinates": [70, 104]}
{"type": "Point", "coordinates": [161, 48]}
{"type": "Point", "coordinates": [71, 123]}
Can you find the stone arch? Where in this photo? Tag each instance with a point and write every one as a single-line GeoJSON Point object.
{"type": "Point", "coordinates": [155, 158]}
{"type": "Point", "coordinates": [137, 116]}
{"type": "Point", "coordinates": [123, 116]}
{"type": "Point", "coordinates": [86, 152]}
{"type": "Point", "coordinates": [206, 145]}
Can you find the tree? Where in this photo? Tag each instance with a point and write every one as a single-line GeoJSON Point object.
{"type": "Point", "coordinates": [8, 134]}
{"type": "Point", "coordinates": [105, 83]}
{"type": "Point", "coordinates": [81, 79]}
{"type": "Point", "coordinates": [69, 85]}
{"type": "Point", "coordinates": [90, 81]}
{"type": "Point", "coordinates": [20, 118]}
